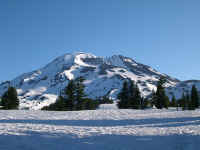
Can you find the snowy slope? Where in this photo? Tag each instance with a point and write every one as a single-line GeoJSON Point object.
{"type": "Point", "coordinates": [103, 129]}
{"type": "Point", "coordinates": [104, 76]}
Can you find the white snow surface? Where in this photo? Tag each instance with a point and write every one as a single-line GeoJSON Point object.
{"type": "Point", "coordinates": [102, 129]}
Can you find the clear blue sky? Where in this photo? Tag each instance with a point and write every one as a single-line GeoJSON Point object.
{"type": "Point", "coordinates": [164, 34]}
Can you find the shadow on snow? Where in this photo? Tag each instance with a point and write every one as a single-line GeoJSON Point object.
{"type": "Point", "coordinates": [154, 122]}
{"type": "Point", "coordinates": [42, 140]}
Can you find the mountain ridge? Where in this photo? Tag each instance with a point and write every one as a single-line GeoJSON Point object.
{"type": "Point", "coordinates": [104, 76]}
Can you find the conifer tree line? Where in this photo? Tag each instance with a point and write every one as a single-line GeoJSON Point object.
{"type": "Point", "coordinates": [9, 99]}
{"type": "Point", "coordinates": [159, 98]}
{"type": "Point", "coordinates": [189, 101]}
{"type": "Point", "coordinates": [130, 97]}
{"type": "Point", "coordinates": [73, 98]}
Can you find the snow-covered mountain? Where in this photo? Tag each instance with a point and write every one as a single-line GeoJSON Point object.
{"type": "Point", "coordinates": [104, 76]}
{"type": "Point", "coordinates": [182, 87]}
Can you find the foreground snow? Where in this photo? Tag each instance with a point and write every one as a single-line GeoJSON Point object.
{"type": "Point", "coordinates": [103, 129]}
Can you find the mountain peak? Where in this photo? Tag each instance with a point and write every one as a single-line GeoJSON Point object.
{"type": "Point", "coordinates": [103, 76]}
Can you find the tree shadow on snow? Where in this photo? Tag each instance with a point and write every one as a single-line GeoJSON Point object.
{"type": "Point", "coordinates": [154, 122]}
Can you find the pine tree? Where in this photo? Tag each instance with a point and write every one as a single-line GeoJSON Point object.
{"type": "Point", "coordinates": [70, 95]}
{"type": "Point", "coordinates": [166, 102]}
{"type": "Point", "coordinates": [79, 93]}
{"type": "Point", "coordinates": [130, 97]}
{"type": "Point", "coordinates": [90, 104]}
{"type": "Point", "coordinates": [74, 98]}
{"type": "Point", "coordinates": [60, 104]}
{"type": "Point", "coordinates": [183, 102]}
{"type": "Point", "coordinates": [123, 96]}
{"type": "Point", "coordinates": [153, 98]}
{"type": "Point", "coordinates": [173, 101]}
{"type": "Point", "coordinates": [135, 99]}
{"type": "Point", "coordinates": [187, 101]}
{"type": "Point", "coordinates": [161, 100]}
{"type": "Point", "coordinates": [194, 97]}
{"type": "Point", "coordinates": [10, 99]}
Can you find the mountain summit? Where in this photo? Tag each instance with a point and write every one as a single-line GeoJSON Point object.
{"type": "Point", "coordinates": [103, 76]}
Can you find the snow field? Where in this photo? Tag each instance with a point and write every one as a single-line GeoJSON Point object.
{"type": "Point", "coordinates": [104, 129]}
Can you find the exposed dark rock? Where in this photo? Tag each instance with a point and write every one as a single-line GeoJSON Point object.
{"type": "Point", "coordinates": [104, 67]}
{"type": "Point", "coordinates": [93, 61]}
{"type": "Point", "coordinates": [88, 69]}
